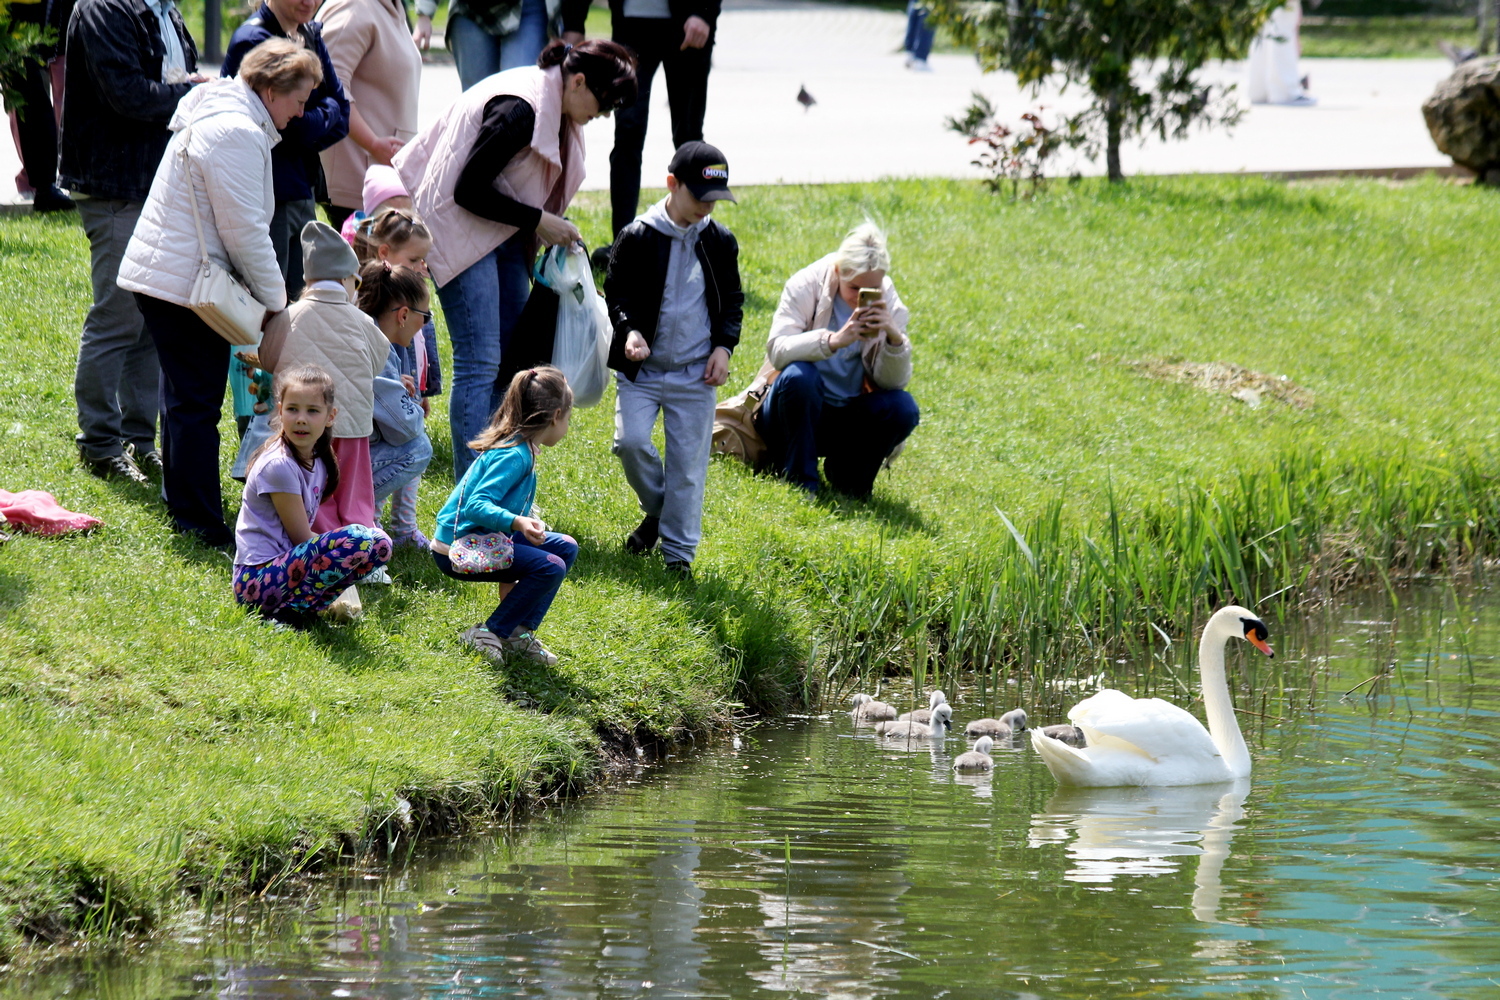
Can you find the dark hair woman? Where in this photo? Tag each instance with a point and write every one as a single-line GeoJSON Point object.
{"type": "Point", "coordinates": [492, 177]}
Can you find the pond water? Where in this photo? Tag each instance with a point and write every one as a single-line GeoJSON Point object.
{"type": "Point", "coordinates": [1360, 860]}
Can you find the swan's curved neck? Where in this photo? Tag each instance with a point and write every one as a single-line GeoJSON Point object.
{"type": "Point", "coordinates": [1222, 725]}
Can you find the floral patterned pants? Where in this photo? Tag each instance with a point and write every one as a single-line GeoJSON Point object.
{"type": "Point", "coordinates": [311, 576]}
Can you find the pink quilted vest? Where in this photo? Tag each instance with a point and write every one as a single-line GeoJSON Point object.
{"type": "Point", "coordinates": [429, 166]}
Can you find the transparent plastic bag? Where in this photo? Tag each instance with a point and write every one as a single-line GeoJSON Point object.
{"type": "Point", "coordinates": [581, 347]}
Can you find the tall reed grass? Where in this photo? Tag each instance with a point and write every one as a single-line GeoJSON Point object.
{"type": "Point", "coordinates": [1055, 599]}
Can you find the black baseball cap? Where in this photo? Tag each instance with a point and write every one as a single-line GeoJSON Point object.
{"type": "Point", "coordinates": [704, 170]}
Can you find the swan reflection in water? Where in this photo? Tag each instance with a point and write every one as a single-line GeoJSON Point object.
{"type": "Point", "coordinates": [1111, 832]}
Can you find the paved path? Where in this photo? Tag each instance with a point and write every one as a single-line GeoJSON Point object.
{"type": "Point", "coordinates": [876, 119]}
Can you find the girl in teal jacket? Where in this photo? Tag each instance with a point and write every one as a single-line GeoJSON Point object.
{"type": "Point", "coordinates": [496, 495]}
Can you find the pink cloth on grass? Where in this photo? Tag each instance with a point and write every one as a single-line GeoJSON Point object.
{"type": "Point", "coordinates": [39, 512]}
{"type": "Point", "coordinates": [354, 501]}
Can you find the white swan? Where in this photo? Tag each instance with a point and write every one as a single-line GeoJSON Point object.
{"type": "Point", "coordinates": [924, 715]}
{"type": "Point", "coordinates": [942, 720]}
{"type": "Point", "coordinates": [1147, 741]}
{"type": "Point", "coordinates": [867, 709]}
{"type": "Point", "coordinates": [978, 759]}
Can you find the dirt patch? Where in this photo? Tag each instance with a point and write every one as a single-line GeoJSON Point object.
{"type": "Point", "coordinates": [1225, 378]}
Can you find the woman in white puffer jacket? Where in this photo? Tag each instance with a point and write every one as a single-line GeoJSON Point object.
{"type": "Point", "coordinates": [221, 157]}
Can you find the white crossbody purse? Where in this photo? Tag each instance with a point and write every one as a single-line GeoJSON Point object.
{"type": "Point", "coordinates": [218, 297]}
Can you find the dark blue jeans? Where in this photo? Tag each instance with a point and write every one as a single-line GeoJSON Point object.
{"type": "Point", "coordinates": [537, 573]}
{"type": "Point", "coordinates": [799, 427]}
{"type": "Point", "coordinates": [481, 305]}
{"type": "Point", "coordinates": [919, 34]}
{"type": "Point", "coordinates": [193, 379]}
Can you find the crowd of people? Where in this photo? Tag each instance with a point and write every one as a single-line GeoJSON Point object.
{"type": "Point", "coordinates": [173, 172]}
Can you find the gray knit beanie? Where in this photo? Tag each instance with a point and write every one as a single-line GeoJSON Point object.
{"type": "Point", "coordinates": [326, 256]}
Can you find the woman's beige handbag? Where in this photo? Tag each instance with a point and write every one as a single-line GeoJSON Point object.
{"type": "Point", "coordinates": [218, 298]}
{"type": "Point", "coordinates": [735, 434]}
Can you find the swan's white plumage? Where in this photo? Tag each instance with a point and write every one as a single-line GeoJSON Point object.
{"type": "Point", "coordinates": [1148, 741]}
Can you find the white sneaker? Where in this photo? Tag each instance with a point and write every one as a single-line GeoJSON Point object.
{"type": "Point", "coordinates": [919, 66]}
{"type": "Point", "coordinates": [1301, 101]}
{"type": "Point", "coordinates": [381, 576]}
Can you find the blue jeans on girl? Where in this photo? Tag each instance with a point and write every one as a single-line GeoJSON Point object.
{"type": "Point", "coordinates": [537, 573]}
{"type": "Point", "coordinates": [394, 465]}
{"type": "Point", "coordinates": [481, 305]}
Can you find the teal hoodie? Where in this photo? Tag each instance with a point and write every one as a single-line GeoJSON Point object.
{"type": "Point", "coordinates": [499, 487]}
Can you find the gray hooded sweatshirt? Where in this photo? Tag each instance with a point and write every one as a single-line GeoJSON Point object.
{"type": "Point", "coordinates": [682, 333]}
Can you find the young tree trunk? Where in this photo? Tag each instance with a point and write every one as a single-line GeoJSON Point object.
{"type": "Point", "coordinates": [1112, 125]}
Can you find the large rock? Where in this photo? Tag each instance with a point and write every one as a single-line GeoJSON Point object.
{"type": "Point", "coordinates": [1463, 115]}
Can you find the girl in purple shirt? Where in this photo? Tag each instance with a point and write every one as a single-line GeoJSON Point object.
{"type": "Point", "coordinates": [281, 567]}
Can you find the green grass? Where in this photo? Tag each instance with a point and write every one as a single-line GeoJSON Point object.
{"type": "Point", "coordinates": [1409, 37]}
{"type": "Point", "coordinates": [160, 745]}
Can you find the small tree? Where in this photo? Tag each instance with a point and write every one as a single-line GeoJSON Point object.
{"type": "Point", "coordinates": [1012, 155]}
{"type": "Point", "coordinates": [1111, 47]}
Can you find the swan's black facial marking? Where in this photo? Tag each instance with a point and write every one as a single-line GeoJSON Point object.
{"type": "Point", "coordinates": [1256, 634]}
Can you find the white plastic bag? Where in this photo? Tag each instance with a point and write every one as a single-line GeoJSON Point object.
{"type": "Point", "coordinates": [581, 347]}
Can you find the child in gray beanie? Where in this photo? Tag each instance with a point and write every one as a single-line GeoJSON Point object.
{"type": "Point", "coordinates": [329, 331]}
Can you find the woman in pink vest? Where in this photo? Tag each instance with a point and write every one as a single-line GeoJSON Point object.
{"type": "Point", "coordinates": [492, 178]}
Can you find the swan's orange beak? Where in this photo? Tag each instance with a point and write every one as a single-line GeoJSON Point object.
{"type": "Point", "coordinates": [1255, 640]}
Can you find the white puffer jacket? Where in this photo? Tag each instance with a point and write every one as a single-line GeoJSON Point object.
{"type": "Point", "coordinates": [228, 165]}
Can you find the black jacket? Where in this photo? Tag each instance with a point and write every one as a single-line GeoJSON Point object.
{"type": "Point", "coordinates": [115, 114]}
{"type": "Point", "coordinates": [296, 173]}
{"type": "Point", "coordinates": [638, 276]}
{"type": "Point", "coordinates": [681, 10]}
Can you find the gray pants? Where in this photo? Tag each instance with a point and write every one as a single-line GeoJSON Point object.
{"type": "Point", "coordinates": [286, 237]}
{"type": "Point", "coordinates": [672, 491]}
{"type": "Point", "coordinates": [116, 383]}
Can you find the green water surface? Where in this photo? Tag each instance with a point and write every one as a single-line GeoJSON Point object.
{"type": "Point", "coordinates": [1360, 860]}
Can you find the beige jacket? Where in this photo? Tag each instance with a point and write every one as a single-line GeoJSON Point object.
{"type": "Point", "coordinates": [381, 70]}
{"type": "Point", "coordinates": [799, 329]}
{"type": "Point", "coordinates": [546, 174]}
{"type": "Point", "coordinates": [329, 331]}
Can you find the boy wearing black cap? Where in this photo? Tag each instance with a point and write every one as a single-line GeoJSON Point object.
{"type": "Point", "coordinates": [674, 297]}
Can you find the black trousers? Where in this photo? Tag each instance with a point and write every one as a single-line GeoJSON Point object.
{"type": "Point", "coordinates": [656, 42]}
{"type": "Point", "coordinates": [35, 122]}
{"type": "Point", "coordinates": [194, 375]}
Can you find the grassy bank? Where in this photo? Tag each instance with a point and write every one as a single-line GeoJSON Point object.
{"type": "Point", "coordinates": [1388, 37]}
{"type": "Point", "coordinates": [1056, 504]}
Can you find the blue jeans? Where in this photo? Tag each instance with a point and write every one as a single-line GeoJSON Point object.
{"type": "Point", "coordinates": [918, 34]}
{"type": "Point", "coordinates": [537, 573]}
{"type": "Point", "coordinates": [799, 426]}
{"type": "Point", "coordinates": [479, 54]}
{"type": "Point", "coordinates": [481, 306]}
{"type": "Point", "coordinates": [394, 465]}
